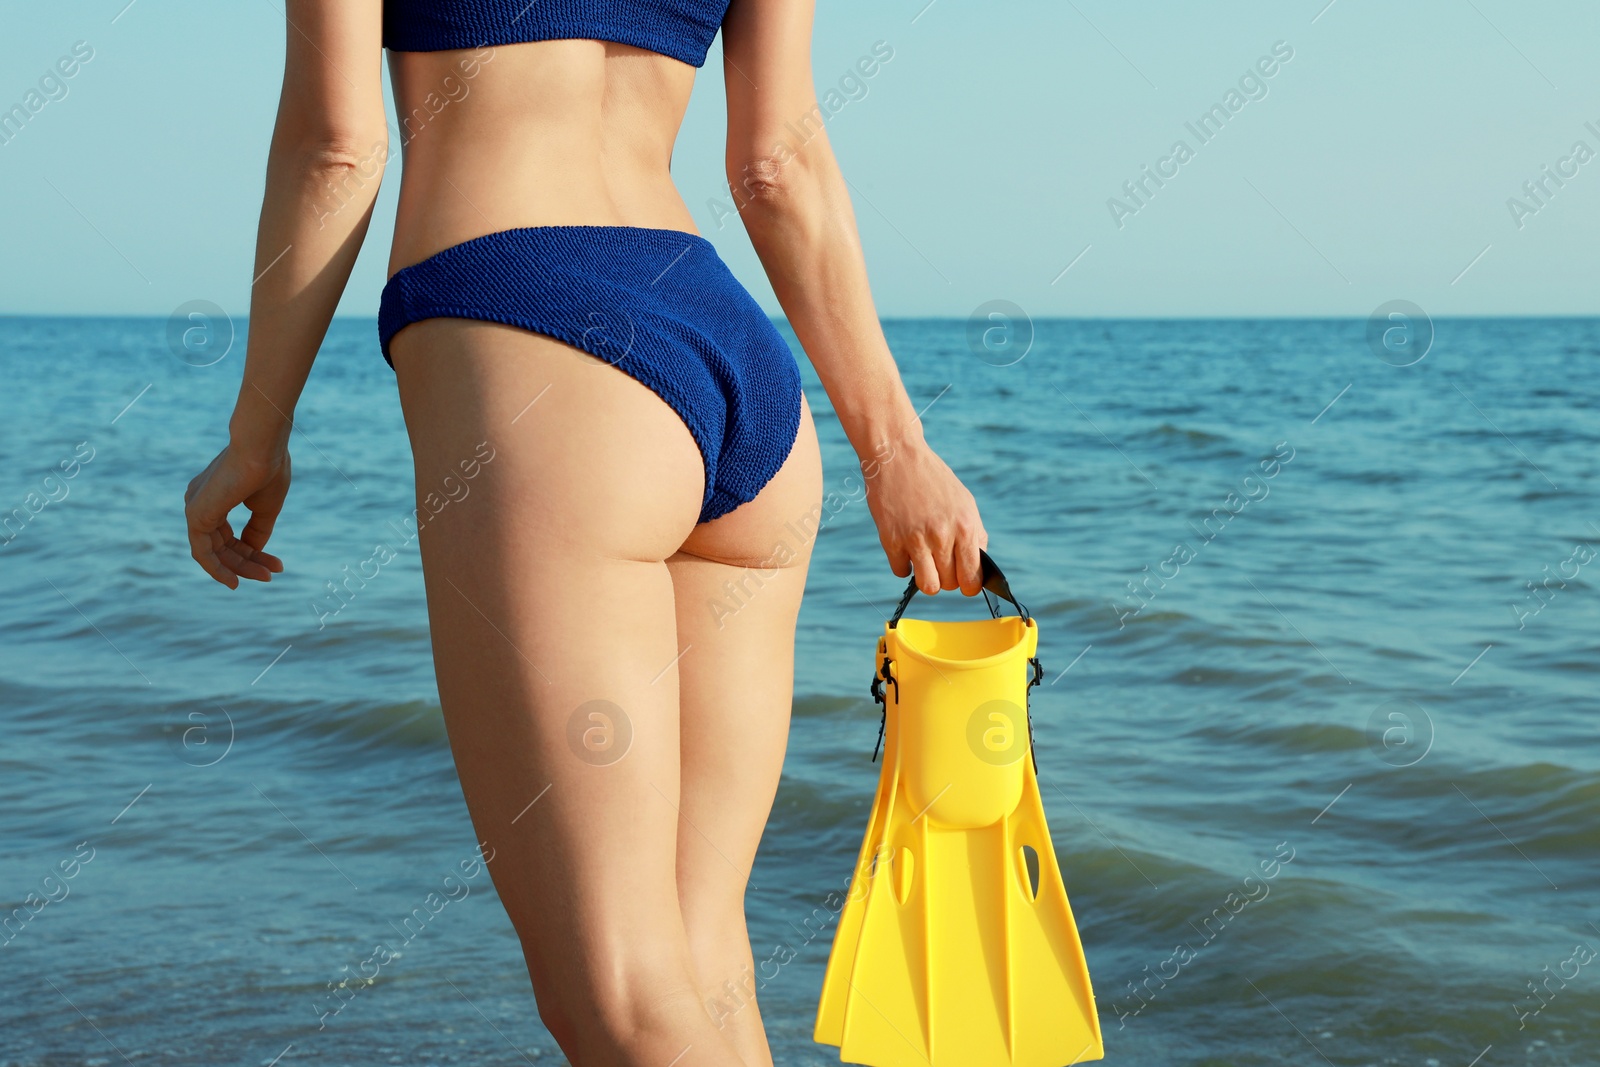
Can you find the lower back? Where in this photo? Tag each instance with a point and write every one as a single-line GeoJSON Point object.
{"type": "Point", "coordinates": [543, 133]}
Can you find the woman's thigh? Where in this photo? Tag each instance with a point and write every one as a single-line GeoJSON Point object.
{"type": "Point", "coordinates": [738, 582]}
{"type": "Point", "coordinates": [554, 633]}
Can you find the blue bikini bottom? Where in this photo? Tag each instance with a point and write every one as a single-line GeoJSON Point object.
{"type": "Point", "coordinates": [657, 304]}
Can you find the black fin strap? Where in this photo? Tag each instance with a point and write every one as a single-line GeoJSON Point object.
{"type": "Point", "coordinates": [905, 598]}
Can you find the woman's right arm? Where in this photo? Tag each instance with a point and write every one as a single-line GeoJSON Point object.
{"type": "Point", "coordinates": [796, 207]}
{"type": "Point", "coordinates": [327, 155]}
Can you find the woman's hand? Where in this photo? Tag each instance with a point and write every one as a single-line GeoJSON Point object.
{"type": "Point", "coordinates": [259, 481]}
{"type": "Point", "coordinates": [927, 520]}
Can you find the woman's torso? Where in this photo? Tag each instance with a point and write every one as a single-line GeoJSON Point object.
{"type": "Point", "coordinates": [531, 134]}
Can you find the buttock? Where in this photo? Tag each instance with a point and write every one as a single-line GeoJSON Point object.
{"type": "Point", "coordinates": [659, 305]}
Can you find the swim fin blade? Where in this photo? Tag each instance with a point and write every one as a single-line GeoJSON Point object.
{"type": "Point", "coordinates": [956, 946]}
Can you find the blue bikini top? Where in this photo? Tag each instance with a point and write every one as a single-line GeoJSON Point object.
{"type": "Point", "coordinates": [682, 29]}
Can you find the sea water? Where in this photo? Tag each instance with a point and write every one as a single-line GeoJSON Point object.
{"type": "Point", "coordinates": [1317, 731]}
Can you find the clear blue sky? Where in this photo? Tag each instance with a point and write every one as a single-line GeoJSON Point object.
{"type": "Point", "coordinates": [1378, 165]}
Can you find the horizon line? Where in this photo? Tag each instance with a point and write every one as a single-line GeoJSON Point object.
{"type": "Point", "coordinates": [1524, 315]}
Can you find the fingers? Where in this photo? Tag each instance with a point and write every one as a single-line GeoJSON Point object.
{"type": "Point", "coordinates": [205, 540]}
{"type": "Point", "coordinates": [269, 561]}
{"type": "Point", "coordinates": [968, 567]}
{"type": "Point", "coordinates": [952, 561]}
{"type": "Point", "coordinates": [255, 562]}
{"type": "Point", "coordinates": [208, 499]}
{"type": "Point", "coordinates": [253, 540]}
{"type": "Point", "coordinates": [929, 526]}
{"type": "Point", "coordinates": [205, 546]}
{"type": "Point", "coordinates": [899, 562]}
{"type": "Point", "coordinates": [926, 570]}
{"type": "Point", "coordinates": [958, 546]}
{"type": "Point", "coordinates": [246, 562]}
{"type": "Point", "coordinates": [223, 556]}
{"type": "Point", "coordinates": [242, 558]}
{"type": "Point", "coordinates": [944, 559]}
{"type": "Point", "coordinates": [952, 564]}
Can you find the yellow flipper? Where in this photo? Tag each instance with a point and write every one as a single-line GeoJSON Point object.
{"type": "Point", "coordinates": [956, 946]}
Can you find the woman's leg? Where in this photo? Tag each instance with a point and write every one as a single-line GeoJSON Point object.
{"type": "Point", "coordinates": [548, 591]}
{"type": "Point", "coordinates": [738, 582]}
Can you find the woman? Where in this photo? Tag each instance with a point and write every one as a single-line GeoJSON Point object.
{"type": "Point", "coordinates": [619, 736]}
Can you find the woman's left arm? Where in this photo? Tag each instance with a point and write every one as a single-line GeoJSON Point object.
{"type": "Point", "coordinates": [795, 204]}
{"type": "Point", "coordinates": [327, 156]}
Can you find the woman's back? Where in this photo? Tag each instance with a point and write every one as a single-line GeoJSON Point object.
{"type": "Point", "coordinates": [535, 133]}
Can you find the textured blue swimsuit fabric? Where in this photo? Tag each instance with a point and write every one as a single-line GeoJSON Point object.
{"type": "Point", "coordinates": [659, 305]}
{"type": "Point", "coordinates": [682, 29]}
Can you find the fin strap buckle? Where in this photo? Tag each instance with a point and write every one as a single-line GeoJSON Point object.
{"type": "Point", "coordinates": [1036, 675]}
{"type": "Point", "coordinates": [878, 686]}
